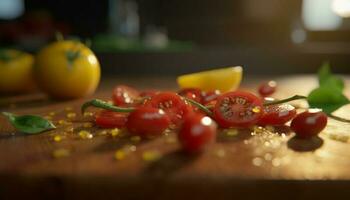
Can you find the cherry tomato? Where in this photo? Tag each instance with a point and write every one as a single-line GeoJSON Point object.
{"type": "Point", "coordinates": [175, 107]}
{"type": "Point", "coordinates": [210, 96]}
{"type": "Point", "coordinates": [148, 93]}
{"type": "Point", "coordinates": [238, 109]}
{"type": "Point", "coordinates": [197, 132]}
{"type": "Point", "coordinates": [124, 95]}
{"type": "Point", "coordinates": [147, 121]}
{"type": "Point", "coordinates": [267, 88]}
{"type": "Point", "coordinates": [109, 119]}
{"type": "Point", "coordinates": [192, 93]}
{"type": "Point", "coordinates": [277, 114]}
{"type": "Point", "coordinates": [309, 123]}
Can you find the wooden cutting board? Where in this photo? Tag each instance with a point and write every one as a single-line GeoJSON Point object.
{"type": "Point", "coordinates": [253, 163]}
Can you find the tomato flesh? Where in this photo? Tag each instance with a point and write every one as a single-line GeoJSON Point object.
{"type": "Point", "coordinates": [309, 123]}
{"type": "Point", "coordinates": [172, 104]}
{"type": "Point", "coordinates": [110, 119]}
{"type": "Point", "coordinates": [147, 121]}
{"type": "Point", "coordinates": [277, 114]}
{"type": "Point", "coordinates": [238, 109]}
{"type": "Point", "coordinates": [267, 88]}
{"type": "Point", "coordinates": [196, 133]}
{"type": "Point", "coordinates": [124, 95]}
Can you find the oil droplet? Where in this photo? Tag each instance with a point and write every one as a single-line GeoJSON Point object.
{"type": "Point", "coordinates": [59, 153]}
{"type": "Point", "coordinates": [71, 115]}
{"type": "Point", "coordinates": [85, 134]}
{"type": "Point", "coordinates": [268, 156]}
{"type": "Point", "coordinates": [88, 125]}
{"type": "Point", "coordinates": [88, 114]}
{"type": "Point", "coordinates": [276, 162]}
{"type": "Point", "coordinates": [256, 109]}
{"type": "Point", "coordinates": [57, 138]}
{"type": "Point", "coordinates": [231, 132]}
{"type": "Point", "coordinates": [221, 153]}
{"type": "Point", "coordinates": [151, 155]}
{"type": "Point", "coordinates": [257, 161]}
{"type": "Point", "coordinates": [135, 139]}
{"type": "Point", "coordinates": [119, 155]}
{"type": "Point", "coordinates": [68, 108]}
{"type": "Point", "coordinates": [114, 132]}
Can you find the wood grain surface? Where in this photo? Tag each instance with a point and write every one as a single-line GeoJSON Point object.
{"type": "Point", "coordinates": [244, 164]}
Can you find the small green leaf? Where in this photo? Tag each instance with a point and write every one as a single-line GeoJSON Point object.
{"type": "Point", "coordinates": [328, 99]}
{"type": "Point", "coordinates": [326, 78]}
{"type": "Point", "coordinates": [30, 124]}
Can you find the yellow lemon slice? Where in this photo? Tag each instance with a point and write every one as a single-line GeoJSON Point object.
{"type": "Point", "coordinates": [223, 79]}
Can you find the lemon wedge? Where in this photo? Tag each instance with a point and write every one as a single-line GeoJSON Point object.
{"type": "Point", "coordinates": [223, 79]}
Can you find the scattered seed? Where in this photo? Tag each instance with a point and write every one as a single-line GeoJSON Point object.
{"type": "Point", "coordinates": [88, 114]}
{"type": "Point", "coordinates": [102, 133]}
{"type": "Point", "coordinates": [114, 132]}
{"type": "Point", "coordinates": [59, 153]}
{"type": "Point", "coordinates": [231, 132]}
{"type": "Point", "coordinates": [151, 155]}
{"type": "Point", "coordinates": [85, 134]}
{"type": "Point", "coordinates": [68, 108]}
{"type": "Point", "coordinates": [256, 109]}
{"type": "Point", "coordinates": [57, 138]}
{"type": "Point", "coordinates": [88, 125]}
{"type": "Point", "coordinates": [220, 153]}
{"type": "Point", "coordinates": [119, 155]}
{"type": "Point", "coordinates": [52, 113]}
{"type": "Point", "coordinates": [48, 117]}
{"type": "Point", "coordinates": [71, 115]}
{"type": "Point", "coordinates": [135, 139]}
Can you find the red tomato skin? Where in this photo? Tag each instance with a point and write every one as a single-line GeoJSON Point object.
{"type": "Point", "coordinates": [197, 132]}
{"type": "Point", "coordinates": [309, 124]}
{"type": "Point", "coordinates": [267, 88]}
{"type": "Point", "coordinates": [110, 119]}
{"type": "Point", "coordinates": [176, 110]}
{"type": "Point", "coordinates": [192, 93]}
{"type": "Point", "coordinates": [124, 95]}
{"type": "Point", "coordinates": [147, 122]}
{"type": "Point", "coordinates": [253, 101]}
{"type": "Point", "coordinates": [276, 115]}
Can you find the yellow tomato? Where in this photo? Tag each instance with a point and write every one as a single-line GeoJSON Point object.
{"type": "Point", "coordinates": [67, 69]}
{"type": "Point", "coordinates": [224, 79]}
{"type": "Point", "coordinates": [15, 71]}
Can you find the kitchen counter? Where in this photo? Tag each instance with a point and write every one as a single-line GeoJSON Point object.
{"type": "Point", "coordinates": [242, 164]}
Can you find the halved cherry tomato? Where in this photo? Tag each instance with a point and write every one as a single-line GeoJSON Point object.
{"type": "Point", "coordinates": [110, 119]}
{"type": "Point", "coordinates": [238, 109]}
{"type": "Point", "coordinates": [267, 88]}
{"type": "Point", "coordinates": [277, 114]}
{"type": "Point", "coordinates": [192, 93]}
{"type": "Point", "coordinates": [197, 132]}
{"type": "Point", "coordinates": [172, 104]}
{"type": "Point", "coordinates": [147, 121]}
{"type": "Point", "coordinates": [124, 95]}
{"type": "Point", "coordinates": [309, 123]}
{"type": "Point", "coordinates": [210, 96]}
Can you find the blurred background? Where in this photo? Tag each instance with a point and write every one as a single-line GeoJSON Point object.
{"type": "Point", "coordinates": [171, 37]}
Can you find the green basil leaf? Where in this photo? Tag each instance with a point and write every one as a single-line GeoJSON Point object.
{"type": "Point", "coordinates": [326, 78]}
{"type": "Point", "coordinates": [328, 99]}
{"type": "Point", "coordinates": [30, 124]}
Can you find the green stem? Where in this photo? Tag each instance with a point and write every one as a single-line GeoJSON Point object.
{"type": "Point", "coordinates": [102, 104]}
{"type": "Point", "coordinates": [338, 118]}
{"type": "Point", "coordinates": [200, 106]}
{"type": "Point", "coordinates": [295, 97]}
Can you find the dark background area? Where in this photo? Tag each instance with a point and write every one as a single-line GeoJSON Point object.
{"type": "Point", "coordinates": [179, 36]}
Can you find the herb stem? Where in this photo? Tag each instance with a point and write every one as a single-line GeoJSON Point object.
{"type": "Point", "coordinates": [102, 104]}
{"type": "Point", "coordinates": [200, 106]}
{"type": "Point", "coordinates": [338, 118]}
{"type": "Point", "coordinates": [295, 97]}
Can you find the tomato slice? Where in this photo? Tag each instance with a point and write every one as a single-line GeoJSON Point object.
{"type": "Point", "coordinates": [238, 109]}
{"type": "Point", "coordinates": [267, 88]}
{"type": "Point", "coordinates": [172, 104]}
{"type": "Point", "coordinates": [124, 95]}
{"type": "Point", "coordinates": [110, 119]}
{"type": "Point", "coordinates": [277, 114]}
{"type": "Point", "coordinates": [192, 93]}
